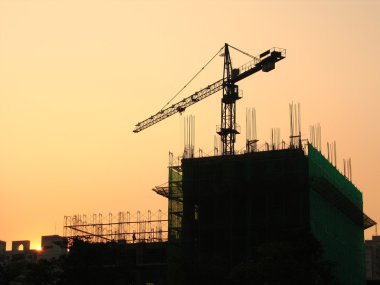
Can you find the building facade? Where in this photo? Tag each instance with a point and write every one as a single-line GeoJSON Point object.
{"type": "Point", "coordinates": [372, 258]}
{"type": "Point", "coordinates": [233, 205]}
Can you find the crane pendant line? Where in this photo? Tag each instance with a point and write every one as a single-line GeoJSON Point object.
{"type": "Point", "coordinates": [228, 129]}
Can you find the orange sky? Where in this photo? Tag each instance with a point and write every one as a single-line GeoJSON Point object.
{"type": "Point", "coordinates": [77, 75]}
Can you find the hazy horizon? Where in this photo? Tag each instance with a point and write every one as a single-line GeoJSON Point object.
{"type": "Point", "coordinates": [76, 76]}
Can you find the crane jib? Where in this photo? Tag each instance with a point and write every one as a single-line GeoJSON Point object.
{"type": "Point", "coordinates": [265, 62]}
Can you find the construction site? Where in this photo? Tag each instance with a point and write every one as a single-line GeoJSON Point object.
{"type": "Point", "coordinates": [227, 212]}
{"type": "Point", "coordinates": [126, 226]}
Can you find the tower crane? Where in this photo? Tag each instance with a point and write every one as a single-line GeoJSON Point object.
{"type": "Point", "coordinates": [228, 128]}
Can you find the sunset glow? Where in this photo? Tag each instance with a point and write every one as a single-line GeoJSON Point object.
{"type": "Point", "coordinates": [76, 76]}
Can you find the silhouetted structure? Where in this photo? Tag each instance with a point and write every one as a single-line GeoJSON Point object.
{"type": "Point", "coordinates": [110, 263]}
{"type": "Point", "coordinates": [125, 226]}
{"type": "Point", "coordinates": [52, 246]}
{"type": "Point", "coordinates": [372, 256]}
{"type": "Point", "coordinates": [223, 208]}
{"type": "Point", "coordinates": [20, 251]}
{"type": "Point", "coordinates": [116, 263]}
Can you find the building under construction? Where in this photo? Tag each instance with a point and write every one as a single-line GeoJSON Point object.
{"type": "Point", "coordinates": [228, 214]}
{"type": "Point", "coordinates": [222, 208]}
{"type": "Point", "coordinates": [127, 248]}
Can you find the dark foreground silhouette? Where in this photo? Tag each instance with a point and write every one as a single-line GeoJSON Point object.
{"type": "Point", "coordinates": [289, 262]}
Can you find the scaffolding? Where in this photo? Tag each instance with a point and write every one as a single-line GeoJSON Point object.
{"type": "Point", "coordinates": [175, 203]}
{"type": "Point", "coordinates": [124, 227]}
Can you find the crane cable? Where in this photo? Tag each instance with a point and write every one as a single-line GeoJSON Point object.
{"type": "Point", "coordinates": [191, 80]}
{"type": "Point", "coordinates": [243, 52]}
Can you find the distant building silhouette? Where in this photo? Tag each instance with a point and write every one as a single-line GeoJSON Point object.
{"type": "Point", "coordinates": [372, 256]}
{"type": "Point", "coordinates": [52, 246]}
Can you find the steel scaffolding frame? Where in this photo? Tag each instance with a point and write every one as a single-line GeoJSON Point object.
{"type": "Point", "coordinates": [125, 226]}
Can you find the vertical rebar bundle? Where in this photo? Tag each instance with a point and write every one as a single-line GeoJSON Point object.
{"type": "Point", "coordinates": [189, 136]}
{"type": "Point", "coordinates": [295, 125]}
{"type": "Point", "coordinates": [315, 136]}
{"type": "Point", "coordinates": [347, 170]}
{"type": "Point", "coordinates": [275, 138]}
{"type": "Point", "coordinates": [251, 133]}
{"type": "Point", "coordinates": [331, 153]}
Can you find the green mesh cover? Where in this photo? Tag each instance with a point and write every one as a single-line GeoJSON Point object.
{"type": "Point", "coordinates": [320, 166]}
{"type": "Point", "coordinates": [175, 204]}
{"type": "Point", "coordinates": [342, 239]}
{"type": "Point", "coordinates": [175, 271]}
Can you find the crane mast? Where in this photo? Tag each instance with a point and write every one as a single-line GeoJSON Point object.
{"type": "Point", "coordinates": [228, 129]}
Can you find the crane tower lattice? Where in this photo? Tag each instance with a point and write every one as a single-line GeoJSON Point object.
{"type": "Point", "coordinates": [228, 129]}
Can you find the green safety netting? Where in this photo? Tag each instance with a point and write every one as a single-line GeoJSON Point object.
{"type": "Point", "coordinates": [341, 237]}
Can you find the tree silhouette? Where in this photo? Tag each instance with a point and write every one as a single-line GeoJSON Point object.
{"type": "Point", "coordinates": [296, 261]}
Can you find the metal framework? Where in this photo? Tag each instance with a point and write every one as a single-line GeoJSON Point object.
{"type": "Point", "coordinates": [129, 227]}
{"type": "Point", "coordinates": [228, 128]}
{"type": "Point", "coordinates": [173, 191]}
